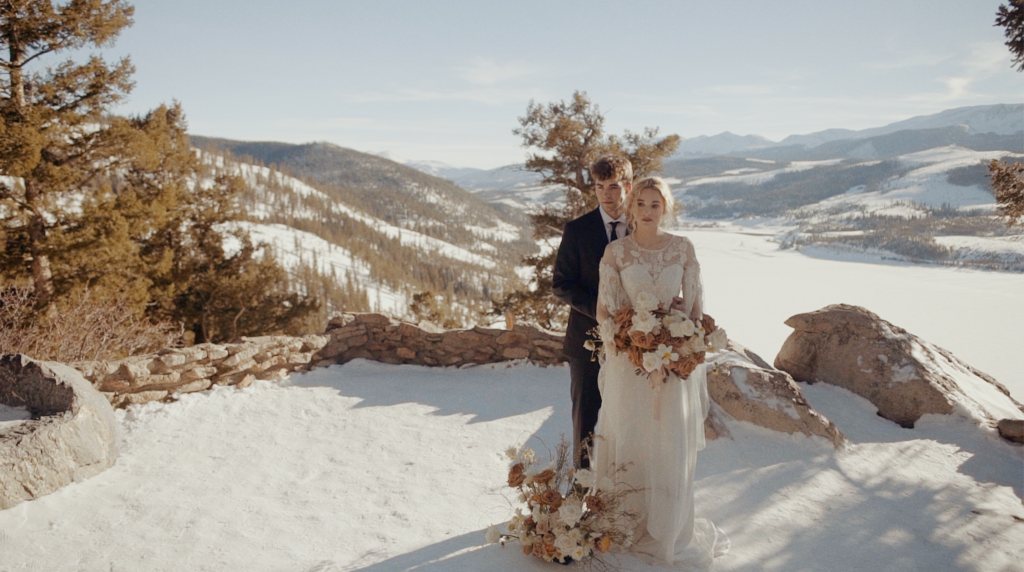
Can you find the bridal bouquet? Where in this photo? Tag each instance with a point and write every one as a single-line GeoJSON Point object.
{"type": "Point", "coordinates": [659, 341]}
{"type": "Point", "coordinates": [569, 514]}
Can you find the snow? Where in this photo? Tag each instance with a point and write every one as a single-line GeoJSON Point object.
{"type": "Point", "coordinates": [752, 287]}
{"type": "Point", "coordinates": [926, 185]}
{"type": "Point", "coordinates": [393, 468]}
{"type": "Point", "coordinates": [763, 176]}
{"type": "Point", "coordinates": [293, 248]}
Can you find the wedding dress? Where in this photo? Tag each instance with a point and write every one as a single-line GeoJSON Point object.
{"type": "Point", "coordinates": [655, 434]}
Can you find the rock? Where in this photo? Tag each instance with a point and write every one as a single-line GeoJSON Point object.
{"type": "Point", "coordinates": [746, 388]}
{"type": "Point", "coordinates": [72, 435]}
{"type": "Point", "coordinates": [140, 397]}
{"type": "Point", "coordinates": [194, 386]}
{"type": "Point", "coordinates": [1012, 430]}
{"type": "Point", "coordinates": [904, 376]}
{"type": "Point", "coordinates": [515, 353]}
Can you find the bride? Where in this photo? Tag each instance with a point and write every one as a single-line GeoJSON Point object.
{"type": "Point", "coordinates": [654, 433]}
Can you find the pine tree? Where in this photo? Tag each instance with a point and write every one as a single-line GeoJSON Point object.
{"type": "Point", "coordinates": [566, 137]}
{"type": "Point", "coordinates": [1012, 19]}
{"type": "Point", "coordinates": [52, 130]}
{"type": "Point", "coordinates": [1007, 179]}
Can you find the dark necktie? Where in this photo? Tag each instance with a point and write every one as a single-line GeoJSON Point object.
{"type": "Point", "coordinates": [614, 224]}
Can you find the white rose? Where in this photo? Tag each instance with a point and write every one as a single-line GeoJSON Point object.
{"type": "Point", "coordinates": [646, 322]}
{"type": "Point", "coordinates": [565, 545]}
{"type": "Point", "coordinates": [696, 344]}
{"type": "Point", "coordinates": [586, 478]}
{"type": "Point", "coordinates": [717, 340]}
{"type": "Point", "coordinates": [682, 328]}
{"type": "Point", "coordinates": [570, 512]}
{"type": "Point", "coordinates": [493, 536]}
{"type": "Point", "coordinates": [652, 361]}
{"type": "Point", "coordinates": [645, 302]}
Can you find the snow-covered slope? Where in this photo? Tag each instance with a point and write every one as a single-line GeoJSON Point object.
{"type": "Point", "coordinates": [388, 260]}
{"type": "Point", "coordinates": [926, 184]}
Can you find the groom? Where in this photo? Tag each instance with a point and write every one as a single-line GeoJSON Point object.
{"type": "Point", "coordinates": [575, 283]}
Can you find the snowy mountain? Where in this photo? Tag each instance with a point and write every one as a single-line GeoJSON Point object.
{"type": "Point", "coordinates": [376, 233]}
{"type": "Point", "coordinates": [931, 206]}
{"type": "Point", "coordinates": [1001, 119]}
{"type": "Point", "coordinates": [720, 144]}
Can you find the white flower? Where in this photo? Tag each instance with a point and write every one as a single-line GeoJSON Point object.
{"type": "Point", "coordinates": [538, 514]}
{"type": "Point", "coordinates": [681, 327]}
{"type": "Point", "coordinates": [586, 478]}
{"type": "Point", "coordinates": [493, 536]}
{"type": "Point", "coordinates": [695, 345]}
{"type": "Point", "coordinates": [528, 455]}
{"type": "Point", "coordinates": [645, 302]}
{"type": "Point", "coordinates": [570, 512]}
{"type": "Point", "coordinates": [578, 553]}
{"type": "Point", "coordinates": [666, 353]}
{"type": "Point", "coordinates": [717, 340]}
{"type": "Point", "coordinates": [646, 322]}
{"type": "Point", "coordinates": [589, 345]}
{"type": "Point", "coordinates": [652, 361]}
{"type": "Point", "coordinates": [565, 545]}
{"type": "Point", "coordinates": [605, 484]}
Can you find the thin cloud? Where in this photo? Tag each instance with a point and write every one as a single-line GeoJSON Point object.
{"type": "Point", "coordinates": [912, 59]}
{"type": "Point", "coordinates": [486, 71]}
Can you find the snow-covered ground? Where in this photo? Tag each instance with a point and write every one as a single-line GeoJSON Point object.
{"type": "Point", "coordinates": [381, 468]}
{"type": "Point", "coordinates": [752, 287]}
{"type": "Point", "coordinates": [385, 468]}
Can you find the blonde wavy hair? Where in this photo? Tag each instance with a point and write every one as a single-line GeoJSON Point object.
{"type": "Point", "coordinates": [668, 201]}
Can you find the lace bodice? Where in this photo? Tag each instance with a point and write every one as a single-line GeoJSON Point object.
{"type": "Point", "coordinates": [627, 270]}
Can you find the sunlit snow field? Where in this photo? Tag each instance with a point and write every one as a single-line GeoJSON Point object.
{"type": "Point", "coordinates": [386, 468]}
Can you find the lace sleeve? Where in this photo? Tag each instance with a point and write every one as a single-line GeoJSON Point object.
{"type": "Point", "coordinates": [610, 294]}
{"type": "Point", "coordinates": [693, 287]}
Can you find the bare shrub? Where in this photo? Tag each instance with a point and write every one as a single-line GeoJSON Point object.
{"type": "Point", "coordinates": [81, 328]}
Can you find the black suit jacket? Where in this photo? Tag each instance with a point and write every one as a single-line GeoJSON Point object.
{"type": "Point", "coordinates": [576, 278]}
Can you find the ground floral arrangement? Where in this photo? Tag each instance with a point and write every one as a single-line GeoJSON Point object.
{"type": "Point", "coordinates": [660, 341]}
{"type": "Point", "coordinates": [570, 514]}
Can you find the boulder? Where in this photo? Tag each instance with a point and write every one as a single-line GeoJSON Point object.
{"type": "Point", "coordinates": [1011, 430]}
{"type": "Point", "coordinates": [72, 434]}
{"type": "Point", "coordinates": [904, 376]}
{"type": "Point", "coordinates": [747, 388]}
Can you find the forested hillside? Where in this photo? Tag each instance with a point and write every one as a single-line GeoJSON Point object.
{"type": "Point", "coordinates": [380, 237]}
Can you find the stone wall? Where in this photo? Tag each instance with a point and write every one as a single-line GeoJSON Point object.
{"type": "Point", "coordinates": [154, 377]}
{"type": "Point", "coordinates": [378, 338]}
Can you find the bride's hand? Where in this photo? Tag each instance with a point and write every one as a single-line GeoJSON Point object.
{"type": "Point", "coordinates": [678, 304]}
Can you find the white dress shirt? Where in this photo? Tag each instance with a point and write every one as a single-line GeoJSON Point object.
{"type": "Point", "coordinates": [620, 230]}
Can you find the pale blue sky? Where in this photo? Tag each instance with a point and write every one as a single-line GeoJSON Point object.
{"type": "Point", "coordinates": [446, 80]}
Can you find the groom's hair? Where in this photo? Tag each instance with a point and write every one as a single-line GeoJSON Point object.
{"type": "Point", "coordinates": [612, 168]}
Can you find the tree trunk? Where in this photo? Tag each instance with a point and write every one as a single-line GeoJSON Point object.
{"type": "Point", "coordinates": [42, 278]}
